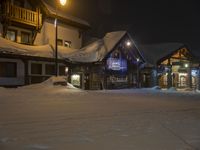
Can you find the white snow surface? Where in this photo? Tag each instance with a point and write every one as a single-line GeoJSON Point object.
{"type": "Point", "coordinates": [59, 82]}
{"type": "Point", "coordinates": [9, 47]}
{"type": "Point", "coordinates": [45, 116]}
{"type": "Point", "coordinates": [97, 50]}
{"type": "Point", "coordinates": [94, 52]}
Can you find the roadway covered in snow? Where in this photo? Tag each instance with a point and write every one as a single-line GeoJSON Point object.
{"type": "Point", "coordinates": [47, 117]}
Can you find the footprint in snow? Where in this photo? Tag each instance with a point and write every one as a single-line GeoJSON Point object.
{"type": "Point", "coordinates": [6, 140]}
{"type": "Point", "coordinates": [38, 147]}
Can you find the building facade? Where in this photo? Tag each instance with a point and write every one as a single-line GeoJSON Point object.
{"type": "Point", "coordinates": [27, 37]}
{"type": "Point", "coordinates": [27, 53]}
{"type": "Point", "coordinates": [108, 63]}
{"type": "Point", "coordinates": [170, 65]}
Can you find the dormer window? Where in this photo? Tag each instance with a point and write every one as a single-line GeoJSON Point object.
{"type": "Point", "coordinates": [25, 38]}
{"type": "Point", "coordinates": [68, 44]}
{"type": "Point", "coordinates": [11, 35]}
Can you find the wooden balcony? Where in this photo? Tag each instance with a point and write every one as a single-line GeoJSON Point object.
{"type": "Point", "coordinates": [22, 15]}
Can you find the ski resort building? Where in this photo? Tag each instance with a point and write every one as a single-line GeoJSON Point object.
{"type": "Point", "coordinates": [27, 41]}
{"type": "Point", "coordinates": [110, 62]}
{"type": "Point", "coordinates": [170, 65]}
{"type": "Point", "coordinates": [27, 53]}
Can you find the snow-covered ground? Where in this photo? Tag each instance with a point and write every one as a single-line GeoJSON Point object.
{"type": "Point", "coordinates": [47, 117]}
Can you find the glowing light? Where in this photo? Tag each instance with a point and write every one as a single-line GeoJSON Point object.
{"type": "Point", "coordinates": [128, 43]}
{"type": "Point", "coordinates": [138, 59]}
{"type": "Point", "coordinates": [186, 65]}
{"type": "Point", "coordinates": [55, 23]}
{"type": "Point", "coordinates": [66, 69]}
{"type": "Point", "coordinates": [63, 2]}
{"type": "Point", "coordinates": [76, 80]}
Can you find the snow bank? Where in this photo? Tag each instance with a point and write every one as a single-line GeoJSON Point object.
{"type": "Point", "coordinates": [52, 82]}
{"type": "Point", "coordinates": [172, 89]}
{"type": "Point", "coordinates": [198, 91]}
{"type": "Point", "coordinates": [156, 88]}
{"type": "Point", "coordinates": [47, 51]}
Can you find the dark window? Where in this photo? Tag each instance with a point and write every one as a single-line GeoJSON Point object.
{"type": "Point", "coordinates": [60, 42]}
{"type": "Point", "coordinates": [25, 38]}
{"type": "Point", "coordinates": [50, 69]}
{"type": "Point", "coordinates": [67, 43]}
{"type": "Point", "coordinates": [36, 68]}
{"type": "Point", "coordinates": [11, 35]}
{"type": "Point", "coordinates": [62, 70]}
{"type": "Point", "coordinates": [8, 69]}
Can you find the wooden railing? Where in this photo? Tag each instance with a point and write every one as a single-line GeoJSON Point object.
{"type": "Point", "coordinates": [22, 15]}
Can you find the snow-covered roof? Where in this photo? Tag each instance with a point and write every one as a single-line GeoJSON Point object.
{"type": "Point", "coordinates": [46, 51]}
{"type": "Point", "coordinates": [154, 52]}
{"type": "Point", "coordinates": [52, 11]}
{"type": "Point", "coordinates": [97, 50]}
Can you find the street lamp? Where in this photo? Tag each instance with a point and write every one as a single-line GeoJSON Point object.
{"type": "Point", "coordinates": [138, 60]}
{"type": "Point", "coordinates": [63, 3]}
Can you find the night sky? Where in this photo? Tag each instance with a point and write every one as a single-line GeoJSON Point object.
{"type": "Point", "coordinates": [148, 21]}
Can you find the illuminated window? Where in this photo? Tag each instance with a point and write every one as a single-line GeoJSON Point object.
{"type": "Point", "coordinates": [11, 35]}
{"type": "Point", "coordinates": [67, 43]}
{"type": "Point", "coordinates": [76, 80]}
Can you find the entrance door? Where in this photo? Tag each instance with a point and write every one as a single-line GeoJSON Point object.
{"type": "Point", "coordinates": [183, 81]}
{"type": "Point", "coordinates": [87, 81]}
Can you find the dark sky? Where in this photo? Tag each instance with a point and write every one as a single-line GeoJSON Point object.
{"type": "Point", "coordinates": [148, 21]}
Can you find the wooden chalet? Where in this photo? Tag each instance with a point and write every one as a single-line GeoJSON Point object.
{"type": "Point", "coordinates": [110, 63]}
{"type": "Point", "coordinates": [170, 65]}
{"type": "Point", "coordinates": [27, 41]}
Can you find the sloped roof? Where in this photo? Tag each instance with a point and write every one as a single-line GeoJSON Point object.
{"type": "Point", "coordinates": [71, 19]}
{"type": "Point", "coordinates": [97, 50]}
{"type": "Point", "coordinates": [154, 52]}
{"type": "Point", "coordinates": [46, 51]}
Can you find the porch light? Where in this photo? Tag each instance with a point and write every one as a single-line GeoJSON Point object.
{"type": "Point", "coordinates": [186, 65]}
{"type": "Point", "coordinates": [66, 70]}
{"type": "Point", "coordinates": [128, 43]}
{"type": "Point", "coordinates": [63, 2]}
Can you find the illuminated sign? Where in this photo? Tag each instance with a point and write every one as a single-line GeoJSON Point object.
{"type": "Point", "coordinates": [117, 64]}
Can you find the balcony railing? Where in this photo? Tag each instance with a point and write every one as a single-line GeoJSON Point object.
{"type": "Point", "coordinates": [22, 15]}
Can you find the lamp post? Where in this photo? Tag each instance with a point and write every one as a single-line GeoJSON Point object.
{"type": "Point", "coordinates": [138, 60]}
{"type": "Point", "coordinates": [62, 3]}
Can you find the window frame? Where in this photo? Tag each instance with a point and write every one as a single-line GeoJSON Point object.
{"type": "Point", "coordinates": [69, 43]}
{"type": "Point", "coordinates": [6, 74]}
{"type": "Point", "coordinates": [31, 71]}
{"type": "Point", "coordinates": [12, 30]}
{"type": "Point", "coordinates": [29, 39]}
